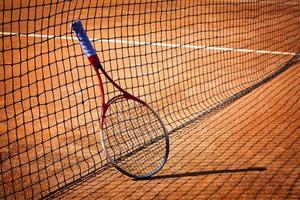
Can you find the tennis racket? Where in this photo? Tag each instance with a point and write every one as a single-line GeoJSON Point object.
{"type": "Point", "coordinates": [133, 136]}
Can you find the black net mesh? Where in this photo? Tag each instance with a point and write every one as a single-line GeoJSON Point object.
{"type": "Point", "coordinates": [185, 58]}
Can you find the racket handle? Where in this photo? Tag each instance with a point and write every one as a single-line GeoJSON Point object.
{"type": "Point", "coordinates": [85, 43]}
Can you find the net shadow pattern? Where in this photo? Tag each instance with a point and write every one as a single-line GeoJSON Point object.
{"type": "Point", "coordinates": [184, 58]}
{"type": "Point", "coordinates": [249, 149]}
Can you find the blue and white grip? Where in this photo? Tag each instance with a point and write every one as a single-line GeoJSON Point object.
{"type": "Point", "coordinates": [85, 43]}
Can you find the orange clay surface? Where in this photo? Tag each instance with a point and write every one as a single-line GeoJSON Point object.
{"type": "Point", "coordinates": [250, 149]}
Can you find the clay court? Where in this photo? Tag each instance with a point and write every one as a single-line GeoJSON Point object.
{"type": "Point", "coordinates": [223, 75]}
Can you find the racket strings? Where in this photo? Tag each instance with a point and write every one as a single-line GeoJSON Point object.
{"type": "Point", "coordinates": [134, 137]}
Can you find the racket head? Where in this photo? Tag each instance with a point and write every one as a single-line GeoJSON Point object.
{"type": "Point", "coordinates": [134, 137]}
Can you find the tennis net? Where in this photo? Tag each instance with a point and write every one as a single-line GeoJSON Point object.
{"type": "Point", "coordinates": [185, 58]}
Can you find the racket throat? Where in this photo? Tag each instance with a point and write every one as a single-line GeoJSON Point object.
{"type": "Point", "coordinates": [95, 62]}
{"type": "Point", "coordinates": [128, 96]}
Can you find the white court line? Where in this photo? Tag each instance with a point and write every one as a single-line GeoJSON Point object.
{"type": "Point", "coordinates": [278, 3]}
{"type": "Point", "coordinates": [263, 2]}
{"type": "Point", "coordinates": [139, 43]}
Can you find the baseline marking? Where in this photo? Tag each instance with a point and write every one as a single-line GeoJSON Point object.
{"type": "Point", "coordinates": [140, 43]}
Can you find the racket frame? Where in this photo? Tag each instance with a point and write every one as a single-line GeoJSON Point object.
{"type": "Point", "coordinates": [166, 137]}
